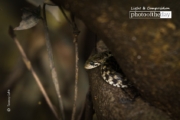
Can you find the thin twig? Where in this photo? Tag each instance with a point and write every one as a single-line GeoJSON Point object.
{"type": "Point", "coordinates": [76, 78]}
{"type": "Point", "coordinates": [30, 68]}
{"type": "Point", "coordinates": [75, 40]}
{"type": "Point", "coordinates": [62, 10]}
{"type": "Point", "coordinates": [75, 35]}
{"type": "Point", "coordinates": [52, 66]}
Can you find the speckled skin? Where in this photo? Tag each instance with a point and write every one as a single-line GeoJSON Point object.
{"type": "Point", "coordinates": [110, 70]}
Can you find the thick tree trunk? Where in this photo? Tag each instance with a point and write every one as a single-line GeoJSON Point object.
{"type": "Point", "coordinates": [148, 51]}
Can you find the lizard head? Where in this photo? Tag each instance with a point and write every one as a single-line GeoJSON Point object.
{"type": "Point", "coordinates": [91, 64]}
{"type": "Point", "coordinates": [96, 60]}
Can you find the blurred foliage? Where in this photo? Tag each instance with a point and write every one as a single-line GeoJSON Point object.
{"type": "Point", "coordinates": [26, 100]}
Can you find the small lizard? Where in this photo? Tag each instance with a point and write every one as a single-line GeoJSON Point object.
{"type": "Point", "coordinates": [110, 70]}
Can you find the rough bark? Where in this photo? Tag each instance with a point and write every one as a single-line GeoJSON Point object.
{"type": "Point", "coordinates": [112, 103]}
{"type": "Point", "coordinates": [147, 50]}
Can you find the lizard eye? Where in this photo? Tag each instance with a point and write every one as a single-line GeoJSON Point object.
{"type": "Point", "coordinates": [91, 63]}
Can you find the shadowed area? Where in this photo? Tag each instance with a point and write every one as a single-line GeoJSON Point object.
{"type": "Point", "coordinates": [148, 50]}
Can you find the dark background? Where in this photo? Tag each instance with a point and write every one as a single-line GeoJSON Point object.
{"type": "Point", "coordinates": [147, 50]}
{"type": "Point", "coordinates": [26, 100]}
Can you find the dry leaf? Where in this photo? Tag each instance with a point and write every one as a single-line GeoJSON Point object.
{"type": "Point", "coordinates": [29, 19]}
